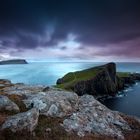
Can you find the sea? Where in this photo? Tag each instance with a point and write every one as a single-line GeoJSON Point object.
{"type": "Point", "coordinates": [47, 73]}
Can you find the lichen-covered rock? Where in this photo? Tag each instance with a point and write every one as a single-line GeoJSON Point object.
{"type": "Point", "coordinates": [93, 117]}
{"type": "Point", "coordinates": [22, 89]}
{"type": "Point", "coordinates": [55, 103]}
{"type": "Point", "coordinates": [23, 121]}
{"type": "Point", "coordinates": [7, 105]}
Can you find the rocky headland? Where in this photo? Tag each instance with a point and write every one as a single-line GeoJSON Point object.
{"type": "Point", "coordinates": [40, 112]}
{"type": "Point", "coordinates": [98, 81]}
{"type": "Point", "coordinates": [13, 61]}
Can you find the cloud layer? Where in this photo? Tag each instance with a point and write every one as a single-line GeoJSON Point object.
{"type": "Point", "coordinates": [59, 29]}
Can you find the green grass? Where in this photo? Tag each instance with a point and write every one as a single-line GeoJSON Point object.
{"type": "Point", "coordinates": [70, 79]}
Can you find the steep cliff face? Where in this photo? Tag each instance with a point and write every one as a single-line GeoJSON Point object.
{"type": "Point", "coordinates": [14, 61]}
{"type": "Point", "coordinates": [103, 81]}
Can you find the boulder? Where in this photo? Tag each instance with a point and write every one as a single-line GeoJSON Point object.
{"type": "Point", "coordinates": [25, 121]}
{"type": "Point", "coordinates": [54, 102]}
{"type": "Point", "coordinates": [7, 105]}
{"type": "Point", "coordinates": [93, 117]}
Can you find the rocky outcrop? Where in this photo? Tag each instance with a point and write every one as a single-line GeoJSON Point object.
{"type": "Point", "coordinates": [23, 121]}
{"type": "Point", "coordinates": [7, 105]}
{"type": "Point", "coordinates": [55, 103]}
{"type": "Point", "coordinates": [103, 81]}
{"type": "Point", "coordinates": [93, 117]}
{"type": "Point", "coordinates": [22, 89]}
{"type": "Point", "coordinates": [83, 115]}
{"type": "Point", "coordinates": [14, 61]}
{"type": "Point", "coordinates": [130, 78]}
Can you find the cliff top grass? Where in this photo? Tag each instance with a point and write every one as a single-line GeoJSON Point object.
{"type": "Point", "coordinates": [73, 77]}
{"type": "Point", "coordinates": [70, 79]}
{"type": "Point", "coordinates": [123, 74]}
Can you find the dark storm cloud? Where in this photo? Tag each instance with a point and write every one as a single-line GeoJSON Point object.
{"type": "Point", "coordinates": [29, 24]}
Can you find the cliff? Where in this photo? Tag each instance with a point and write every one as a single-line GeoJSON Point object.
{"type": "Point", "coordinates": [101, 80]}
{"type": "Point", "coordinates": [14, 61]}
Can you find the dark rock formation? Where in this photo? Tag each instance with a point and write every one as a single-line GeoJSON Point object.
{"type": "Point", "coordinates": [14, 61]}
{"type": "Point", "coordinates": [104, 82]}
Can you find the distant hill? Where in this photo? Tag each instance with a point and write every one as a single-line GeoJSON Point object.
{"type": "Point", "coordinates": [13, 61]}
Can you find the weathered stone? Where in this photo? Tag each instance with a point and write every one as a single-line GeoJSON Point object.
{"type": "Point", "coordinates": [93, 117]}
{"type": "Point", "coordinates": [53, 102]}
{"type": "Point", "coordinates": [7, 105]}
{"type": "Point", "coordinates": [21, 89]}
{"type": "Point", "coordinates": [23, 121]}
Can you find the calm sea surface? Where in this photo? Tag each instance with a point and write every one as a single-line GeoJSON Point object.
{"type": "Point", "coordinates": [37, 73]}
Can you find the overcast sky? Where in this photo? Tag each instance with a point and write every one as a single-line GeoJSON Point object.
{"type": "Point", "coordinates": [98, 30]}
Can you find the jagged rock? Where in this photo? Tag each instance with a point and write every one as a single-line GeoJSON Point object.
{"type": "Point", "coordinates": [23, 121]}
{"type": "Point", "coordinates": [7, 105]}
{"type": "Point", "coordinates": [55, 103]}
{"type": "Point", "coordinates": [93, 117]}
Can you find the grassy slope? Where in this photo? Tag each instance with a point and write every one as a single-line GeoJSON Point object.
{"type": "Point", "coordinates": [73, 77]}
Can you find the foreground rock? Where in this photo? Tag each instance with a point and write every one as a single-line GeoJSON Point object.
{"type": "Point", "coordinates": [7, 105]}
{"type": "Point", "coordinates": [14, 61]}
{"type": "Point", "coordinates": [101, 80]}
{"type": "Point", "coordinates": [22, 89]}
{"type": "Point", "coordinates": [93, 117]}
{"type": "Point", "coordinates": [54, 102]}
{"type": "Point", "coordinates": [23, 121]}
{"type": "Point", "coordinates": [65, 115]}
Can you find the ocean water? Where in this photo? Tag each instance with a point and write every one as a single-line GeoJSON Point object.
{"type": "Point", "coordinates": [45, 73]}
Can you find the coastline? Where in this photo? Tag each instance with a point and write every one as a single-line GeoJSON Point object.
{"type": "Point", "coordinates": [56, 112]}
